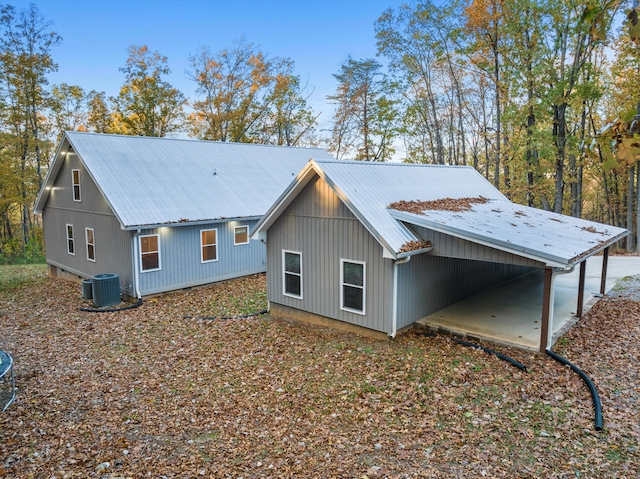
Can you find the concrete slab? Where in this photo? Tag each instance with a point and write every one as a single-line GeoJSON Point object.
{"type": "Point", "coordinates": [511, 313]}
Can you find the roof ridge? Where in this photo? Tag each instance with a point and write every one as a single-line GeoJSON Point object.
{"type": "Point", "coordinates": [390, 163]}
{"type": "Point", "coordinates": [189, 140]}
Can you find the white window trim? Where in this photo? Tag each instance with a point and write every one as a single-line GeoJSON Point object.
{"type": "Point", "coordinates": [202, 245]}
{"type": "Point", "coordinates": [86, 238]}
{"type": "Point", "coordinates": [66, 231]}
{"type": "Point", "coordinates": [142, 270]}
{"type": "Point", "coordinates": [364, 286]}
{"type": "Point", "coordinates": [284, 273]}
{"type": "Point", "coordinates": [234, 235]}
{"type": "Point", "coordinates": [73, 187]}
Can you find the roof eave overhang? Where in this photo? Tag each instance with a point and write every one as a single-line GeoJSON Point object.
{"type": "Point", "coordinates": [54, 168]}
{"type": "Point", "coordinates": [174, 224]}
{"type": "Point", "coordinates": [549, 260]}
{"type": "Point", "coordinates": [303, 178]}
{"type": "Point", "coordinates": [602, 246]}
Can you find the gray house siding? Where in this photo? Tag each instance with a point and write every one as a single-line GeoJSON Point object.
{"type": "Point", "coordinates": [92, 211]}
{"type": "Point", "coordinates": [452, 247]}
{"type": "Point", "coordinates": [181, 262]}
{"type": "Point", "coordinates": [428, 283]}
{"type": "Point", "coordinates": [323, 230]}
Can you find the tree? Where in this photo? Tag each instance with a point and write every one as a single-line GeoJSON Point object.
{"type": "Point", "coordinates": [147, 105]}
{"type": "Point", "coordinates": [421, 44]}
{"type": "Point", "coordinates": [234, 83]}
{"type": "Point", "coordinates": [485, 21]}
{"type": "Point", "coordinates": [245, 96]}
{"type": "Point", "coordinates": [99, 117]}
{"type": "Point", "coordinates": [26, 41]}
{"type": "Point", "coordinates": [290, 121]}
{"type": "Point", "coordinates": [364, 121]}
{"type": "Point", "coordinates": [68, 108]}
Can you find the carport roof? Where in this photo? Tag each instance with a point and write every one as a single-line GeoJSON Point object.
{"type": "Point", "coordinates": [369, 188]}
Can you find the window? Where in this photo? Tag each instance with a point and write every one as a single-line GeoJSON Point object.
{"type": "Point", "coordinates": [352, 283]}
{"type": "Point", "coordinates": [71, 246]}
{"type": "Point", "coordinates": [75, 179]}
{"type": "Point", "coordinates": [292, 267]}
{"type": "Point", "coordinates": [91, 245]}
{"type": "Point", "coordinates": [209, 245]}
{"type": "Point", "coordinates": [150, 252]}
{"type": "Point", "coordinates": [241, 235]}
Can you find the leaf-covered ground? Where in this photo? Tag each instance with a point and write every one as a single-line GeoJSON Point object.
{"type": "Point", "coordinates": [148, 392]}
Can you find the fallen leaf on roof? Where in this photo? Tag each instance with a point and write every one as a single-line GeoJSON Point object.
{"type": "Point", "coordinates": [591, 229]}
{"type": "Point", "coordinates": [414, 246]}
{"type": "Point", "coordinates": [444, 204]}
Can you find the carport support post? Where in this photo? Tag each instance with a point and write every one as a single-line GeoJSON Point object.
{"type": "Point", "coordinates": [603, 278]}
{"type": "Point", "coordinates": [583, 267]}
{"type": "Point", "coordinates": [546, 331]}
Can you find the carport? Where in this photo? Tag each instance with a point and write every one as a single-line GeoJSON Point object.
{"type": "Point", "coordinates": [511, 313]}
{"type": "Point", "coordinates": [528, 311]}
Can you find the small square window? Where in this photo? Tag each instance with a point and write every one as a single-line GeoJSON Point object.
{"type": "Point", "coordinates": [241, 235]}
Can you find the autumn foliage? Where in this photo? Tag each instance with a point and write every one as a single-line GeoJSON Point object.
{"type": "Point", "coordinates": [150, 393]}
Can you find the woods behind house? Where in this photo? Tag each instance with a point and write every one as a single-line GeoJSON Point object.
{"type": "Point", "coordinates": [540, 97]}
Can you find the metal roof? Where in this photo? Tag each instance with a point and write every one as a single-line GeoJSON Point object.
{"type": "Point", "coordinates": [554, 239]}
{"type": "Point", "coordinates": [369, 188]}
{"type": "Point", "coordinates": [155, 181]}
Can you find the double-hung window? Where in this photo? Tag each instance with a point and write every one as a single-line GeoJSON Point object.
{"type": "Point", "coordinates": [75, 181]}
{"type": "Point", "coordinates": [71, 244]}
{"type": "Point", "coordinates": [91, 244]}
{"type": "Point", "coordinates": [352, 286]}
{"type": "Point", "coordinates": [149, 253]}
{"type": "Point", "coordinates": [240, 235]}
{"type": "Point", "coordinates": [292, 277]}
{"type": "Point", "coordinates": [209, 245]}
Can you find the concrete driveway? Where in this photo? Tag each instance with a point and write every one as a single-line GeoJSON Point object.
{"type": "Point", "coordinates": [511, 313]}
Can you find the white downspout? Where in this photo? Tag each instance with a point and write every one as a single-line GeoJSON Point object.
{"type": "Point", "coordinates": [394, 313]}
{"type": "Point", "coordinates": [136, 274]}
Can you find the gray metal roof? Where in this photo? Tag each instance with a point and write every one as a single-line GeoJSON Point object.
{"type": "Point", "coordinates": [369, 188]}
{"type": "Point", "coordinates": [552, 238]}
{"type": "Point", "coordinates": [155, 181]}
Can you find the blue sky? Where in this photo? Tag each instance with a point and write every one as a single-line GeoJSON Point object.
{"type": "Point", "coordinates": [318, 35]}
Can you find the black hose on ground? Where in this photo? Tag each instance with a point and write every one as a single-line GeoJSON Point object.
{"type": "Point", "coordinates": [242, 316]}
{"type": "Point", "coordinates": [112, 310]}
{"type": "Point", "coordinates": [495, 353]}
{"type": "Point", "coordinates": [597, 406]}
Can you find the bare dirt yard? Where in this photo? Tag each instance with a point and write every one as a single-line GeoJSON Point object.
{"type": "Point", "coordinates": [156, 392]}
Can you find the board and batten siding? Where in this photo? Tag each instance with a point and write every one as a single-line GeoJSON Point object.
{"type": "Point", "coordinates": [429, 283]}
{"type": "Point", "coordinates": [180, 257]}
{"type": "Point", "coordinates": [321, 227]}
{"type": "Point", "coordinates": [451, 247]}
{"type": "Point", "coordinates": [112, 244]}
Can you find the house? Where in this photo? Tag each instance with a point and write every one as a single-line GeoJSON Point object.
{"type": "Point", "coordinates": [161, 213]}
{"type": "Point", "coordinates": [382, 245]}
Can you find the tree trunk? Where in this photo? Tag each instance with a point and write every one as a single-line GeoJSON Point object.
{"type": "Point", "coordinates": [637, 228]}
{"type": "Point", "coordinates": [496, 179]}
{"type": "Point", "coordinates": [630, 202]}
{"type": "Point", "coordinates": [560, 134]}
